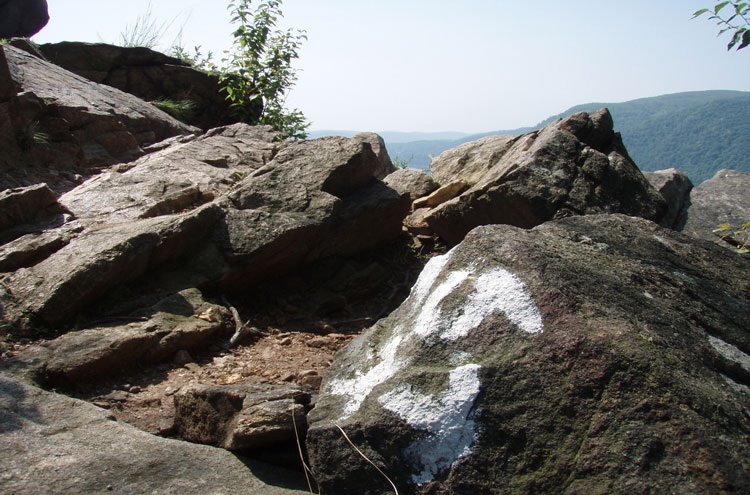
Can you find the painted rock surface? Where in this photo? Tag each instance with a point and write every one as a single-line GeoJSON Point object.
{"type": "Point", "coordinates": [598, 354]}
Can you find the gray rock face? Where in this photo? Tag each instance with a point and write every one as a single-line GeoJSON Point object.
{"type": "Point", "coordinates": [594, 354]}
{"type": "Point", "coordinates": [54, 444]}
{"type": "Point", "coordinates": [725, 198]}
{"type": "Point", "coordinates": [22, 18]}
{"type": "Point", "coordinates": [147, 74]}
{"type": "Point", "coordinates": [53, 121]}
{"type": "Point", "coordinates": [675, 187]}
{"type": "Point", "coordinates": [571, 167]}
{"type": "Point", "coordinates": [238, 417]}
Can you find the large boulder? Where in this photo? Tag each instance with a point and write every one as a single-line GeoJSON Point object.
{"type": "Point", "coordinates": [22, 18]}
{"type": "Point", "coordinates": [594, 354]}
{"type": "Point", "coordinates": [574, 166]}
{"type": "Point", "coordinates": [149, 75]}
{"type": "Point", "coordinates": [55, 444]}
{"type": "Point", "coordinates": [725, 198]}
{"type": "Point", "coordinates": [55, 124]}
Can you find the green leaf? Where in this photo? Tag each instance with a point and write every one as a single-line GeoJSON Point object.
{"type": "Point", "coordinates": [745, 40]}
{"type": "Point", "coordinates": [720, 6]}
{"type": "Point", "coordinates": [723, 227]}
{"type": "Point", "coordinates": [699, 13]}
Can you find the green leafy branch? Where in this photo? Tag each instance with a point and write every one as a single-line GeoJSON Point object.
{"type": "Point", "coordinates": [259, 70]}
{"type": "Point", "coordinates": [739, 238]}
{"type": "Point", "coordinates": [738, 21]}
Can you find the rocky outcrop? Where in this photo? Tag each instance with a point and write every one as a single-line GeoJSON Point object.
{"type": "Point", "coordinates": [220, 212]}
{"type": "Point", "coordinates": [55, 444]}
{"type": "Point", "coordinates": [675, 187]}
{"type": "Point", "coordinates": [22, 18]}
{"type": "Point", "coordinates": [55, 124]}
{"type": "Point", "coordinates": [574, 166]}
{"type": "Point", "coordinates": [593, 354]}
{"type": "Point", "coordinates": [149, 75]}
{"type": "Point", "coordinates": [725, 198]}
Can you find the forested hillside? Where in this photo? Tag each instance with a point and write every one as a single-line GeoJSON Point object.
{"type": "Point", "coordinates": [698, 132]}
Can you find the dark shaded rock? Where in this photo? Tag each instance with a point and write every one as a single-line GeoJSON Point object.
{"type": "Point", "coordinates": [32, 248]}
{"type": "Point", "coordinates": [414, 182]}
{"type": "Point", "coordinates": [22, 18]}
{"type": "Point", "coordinates": [178, 322]}
{"type": "Point", "coordinates": [55, 444]}
{"type": "Point", "coordinates": [385, 166]}
{"type": "Point", "coordinates": [149, 75]}
{"type": "Point", "coordinates": [26, 205]}
{"type": "Point", "coordinates": [725, 198]}
{"type": "Point", "coordinates": [574, 166]}
{"type": "Point", "coordinates": [55, 123]}
{"type": "Point", "coordinates": [675, 187]}
{"type": "Point", "coordinates": [240, 417]}
{"type": "Point", "coordinates": [594, 354]}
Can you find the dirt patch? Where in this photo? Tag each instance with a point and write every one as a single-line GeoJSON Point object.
{"type": "Point", "coordinates": [298, 324]}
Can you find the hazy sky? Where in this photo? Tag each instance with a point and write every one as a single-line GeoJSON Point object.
{"type": "Point", "coordinates": [439, 65]}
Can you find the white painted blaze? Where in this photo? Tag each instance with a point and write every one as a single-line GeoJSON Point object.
{"type": "Point", "coordinates": [445, 419]}
{"type": "Point", "coordinates": [446, 306]}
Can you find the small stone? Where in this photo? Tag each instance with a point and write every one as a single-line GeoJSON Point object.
{"type": "Point", "coordinates": [116, 396]}
{"type": "Point", "coordinates": [288, 377]}
{"type": "Point", "coordinates": [319, 342]}
{"type": "Point", "coordinates": [170, 390]}
{"type": "Point", "coordinates": [308, 373]}
{"type": "Point", "coordinates": [310, 382]}
{"type": "Point", "coordinates": [323, 327]}
{"type": "Point", "coordinates": [285, 341]}
{"type": "Point", "coordinates": [135, 389]}
{"type": "Point", "coordinates": [182, 357]}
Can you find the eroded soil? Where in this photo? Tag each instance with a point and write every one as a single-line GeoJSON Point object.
{"type": "Point", "coordinates": [302, 320]}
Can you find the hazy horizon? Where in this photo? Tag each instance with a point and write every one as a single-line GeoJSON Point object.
{"type": "Point", "coordinates": [468, 67]}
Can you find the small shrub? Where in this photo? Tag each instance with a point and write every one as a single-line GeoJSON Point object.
{"type": "Point", "coordinates": [259, 69]}
{"type": "Point", "coordinates": [29, 136]}
{"type": "Point", "coordinates": [402, 164]}
{"type": "Point", "coordinates": [182, 110]}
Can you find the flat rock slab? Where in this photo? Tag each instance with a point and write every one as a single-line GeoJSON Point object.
{"type": "Point", "coordinates": [55, 444]}
{"type": "Point", "coordinates": [574, 166]}
{"type": "Point", "coordinates": [186, 173]}
{"type": "Point", "coordinates": [181, 322]}
{"type": "Point", "coordinates": [594, 354]}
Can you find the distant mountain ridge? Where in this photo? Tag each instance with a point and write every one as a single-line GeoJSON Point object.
{"type": "Point", "coordinates": [698, 132]}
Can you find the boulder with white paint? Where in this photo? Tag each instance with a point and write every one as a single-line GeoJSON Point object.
{"type": "Point", "coordinates": [594, 354]}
